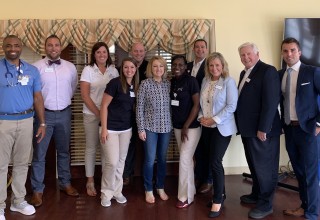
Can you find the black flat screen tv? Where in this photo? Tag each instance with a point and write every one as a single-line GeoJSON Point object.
{"type": "Point", "coordinates": [307, 32]}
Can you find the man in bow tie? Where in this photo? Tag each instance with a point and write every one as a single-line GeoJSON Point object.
{"type": "Point", "coordinates": [59, 82]}
{"type": "Point", "coordinates": [301, 124]}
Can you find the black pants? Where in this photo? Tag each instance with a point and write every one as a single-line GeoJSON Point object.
{"type": "Point", "coordinates": [263, 160]}
{"type": "Point", "coordinates": [218, 145]}
{"type": "Point", "coordinates": [130, 159]}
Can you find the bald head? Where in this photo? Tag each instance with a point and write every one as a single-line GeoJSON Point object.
{"type": "Point", "coordinates": [12, 48]}
{"type": "Point", "coordinates": [138, 52]}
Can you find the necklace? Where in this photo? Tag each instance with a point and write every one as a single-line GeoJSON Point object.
{"type": "Point", "coordinates": [212, 86]}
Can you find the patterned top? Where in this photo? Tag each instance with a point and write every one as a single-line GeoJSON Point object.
{"type": "Point", "coordinates": [207, 95]}
{"type": "Point", "coordinates": [153, 106]}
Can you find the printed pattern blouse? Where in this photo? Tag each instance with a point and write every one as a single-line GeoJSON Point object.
{"type": "Point", "coordinates": [153, 106]}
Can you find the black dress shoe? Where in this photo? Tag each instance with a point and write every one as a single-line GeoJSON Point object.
{"type": "Point", "coordinates": [209, 204]}
{"type": "Point", "coordinates": [249, 199]}
{"type": "Point", "coordinates": [258, 214]}
{"type": "Point", "coordinates": [214, 214]}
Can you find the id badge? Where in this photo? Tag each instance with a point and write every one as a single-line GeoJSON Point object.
{"type": "Point", "coordinates": [174, 102]}
{"type": "Point", "coordinates": [24, 80]}
{"type": "Point", "coordinates": [48, 70]}
{"type": "Point", "coordinates": [132, 94]}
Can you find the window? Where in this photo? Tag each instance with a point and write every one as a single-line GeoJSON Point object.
{"type": "Point", "coordinates": [77, 142]}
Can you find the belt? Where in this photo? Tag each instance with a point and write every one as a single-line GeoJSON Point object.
{"type": "Point", "coordinates": [294, 123]}
{"type": "Point", "coordinates": [48, 110]}
{"type": "Point", "coordinates": [30, 110]}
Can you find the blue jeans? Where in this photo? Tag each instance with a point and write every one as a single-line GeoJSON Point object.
{"type": "Point", "coordinates": [58, 126]}
{"type": "Point", "coordinates": [155, 144]}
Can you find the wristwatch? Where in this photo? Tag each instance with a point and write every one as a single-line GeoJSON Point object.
{"type": "Point", "coordinates": [43, 125]}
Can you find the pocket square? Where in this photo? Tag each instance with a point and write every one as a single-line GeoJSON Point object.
{"type": "Point", "coordinates": [304, 84]}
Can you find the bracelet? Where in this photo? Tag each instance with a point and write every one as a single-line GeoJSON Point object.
{"type": "Point", "coordinates": [43, 125]}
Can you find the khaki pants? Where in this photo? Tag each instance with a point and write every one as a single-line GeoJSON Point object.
{"type": "Point", "coordinates": [115, 152]}
{"type": "Point", "coordinates": [15, 144]}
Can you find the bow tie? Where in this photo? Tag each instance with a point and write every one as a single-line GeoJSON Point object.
{"type": "Point", "coordinates": [50, 62]}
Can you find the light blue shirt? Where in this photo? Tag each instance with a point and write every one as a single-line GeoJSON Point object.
{"type": "Point", "coordinates": [17, 95]}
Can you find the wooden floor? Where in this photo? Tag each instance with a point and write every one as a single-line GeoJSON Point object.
{"type": "Point", "coordinates": [59, 206]}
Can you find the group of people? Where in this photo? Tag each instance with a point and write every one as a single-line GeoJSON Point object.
{"type": "Point", "coordinates": [201, 103]}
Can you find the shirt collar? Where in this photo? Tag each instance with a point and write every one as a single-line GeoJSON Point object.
{"type": "Point", "coordinates": [296, 66]}
{"type": "Point", "coordinates": [46, 59]}
{"type": "Point", "coordinates": [199, 63]}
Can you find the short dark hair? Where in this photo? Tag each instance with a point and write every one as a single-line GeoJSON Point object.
{"type": "Point", "coordinates": [11, 36]}
{"type": "Point", "coordinates": [96, 47]}
{"type": "Point", "coordinates": [52, 36]}
{"type": "Point", "coordinates": [199, 40]}
{"type": "Point", "coordinates": [290, 40]}
{"type": "Point", "coordinates": [179, 57]}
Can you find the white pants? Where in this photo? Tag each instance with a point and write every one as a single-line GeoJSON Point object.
{"type": "Point", "coordinates": [115, 152]}
{"type": "Point", "coordinates": [186, 188]}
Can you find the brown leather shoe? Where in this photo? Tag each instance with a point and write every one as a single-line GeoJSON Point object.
{"type": "Point", "coordinates": [126, 181]}
{"type": "Point", "coordinates": [298, 212]}
{"type": "Point", "coordinates": [36, 199]}
{"type": "Point", "coordinates": [204, 188]}
{"type": "Point", "coordinates": [70, 191]}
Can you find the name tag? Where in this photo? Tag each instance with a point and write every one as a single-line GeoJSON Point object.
{"type": "Point", "coordinates": [23, 80]}
{"type": "Point", "coordinates": [218, 87]}
{"type": "Point", "coordinates": [175, 102]}
{"type": "Point", "coordinates": [132, 94]}
{"type": "Point", "coordinates": [48, 70]}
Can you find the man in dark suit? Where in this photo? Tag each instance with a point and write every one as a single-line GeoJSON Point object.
{"type": "Point", "coordinates": [196, 69]}
{"type": "Point", "coordinates": [300, 85]}
{"type": "Point", "coordinates": [259, 124]}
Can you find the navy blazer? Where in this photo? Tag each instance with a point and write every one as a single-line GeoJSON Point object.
{"type": "Point", "coordinates": [201, 71]}
{"type": "Point", "coordinates": [306, 102]}
{"type": "Point", "coordinates": [257, 108]}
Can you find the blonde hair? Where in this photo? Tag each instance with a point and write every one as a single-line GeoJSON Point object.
{"type": "Point", "coordinates": [216, 55]}
{"type": "Point", "coordinates": [162, 61]}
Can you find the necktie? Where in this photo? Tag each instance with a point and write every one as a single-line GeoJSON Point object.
{"type": "Point", "coordinates": [287, 97]}
{"type": "Point", "coordinates": [247, 73]}
{"type": "Point", "coordinates": [50, 62]}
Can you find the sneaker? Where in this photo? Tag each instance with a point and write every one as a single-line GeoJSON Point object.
{"type": "Point", "coordinates": [120, 199]}
{"type": "Point", "coordinates": [23, 207]}
{"type": "Point", "coordinates": [2, 214]}
{"type": "Point", "coordinates": [105, 202]}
